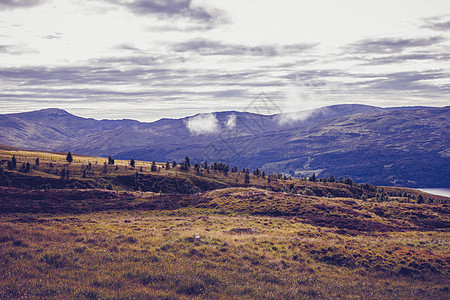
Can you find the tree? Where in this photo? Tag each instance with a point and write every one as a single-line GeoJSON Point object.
{"type": "Point", "coordinates": [69, 158]}
{"type": "Point", "coordinates": [247, 178]}
{"type": "Point", "coordinates": [420, 199]}
{"type": "Point", "coordinates": [174, 164]}
{"type": "Point", "coordinates": [153, 167]}
{"type": "Point", "coordinates": [37, 161]}
{"type": "Point", "coordinates": [13, 163]}
{"type": "Point", "coordinates": [110, 160]}
{"type": "Point", "coordinates": [132, 163]}
{"type": "Point", "coordinates": [226, 169]}
{"type": "Point", "coordinates": [187, 162]}
{"type": "Point", "coordinates": [197, 167]}
{"type": "Point", "coordinates": [313, 177]}
{"type": "Point", "coordinates": [331, 179]}
{"type": "Point", "coordinates": [63, 174]}
{"type": "Point", "coordinates": [167, 165]}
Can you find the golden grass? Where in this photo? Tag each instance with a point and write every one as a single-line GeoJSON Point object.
{"type": "Point", "coordinates": [256, 242]}
{"type": "Point", "coordinates": [127, 255]}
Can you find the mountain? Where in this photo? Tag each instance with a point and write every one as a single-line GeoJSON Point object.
{"type": "Point", "coordinates": [406, 146]}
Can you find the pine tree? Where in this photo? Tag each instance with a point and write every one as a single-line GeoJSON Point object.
{"type": "Point", "coordinates": [153, 167]}
{"type": "Point", "coordinates": [63, 174]}
{"type": "Point", "coordinates": [174, 164]}
{"type": "Point", "coordinates": [37, 161]}
{"type": "Point", "coordinates": [13, 163]}
{"type": "Point", "coordinates": [110, 160]}
{"type": "Point", "coordinates": [331, 179]}
{"type": "Point", "coordinates": [69, 158]}
{"type": "Point", "coordinates": [132, 163]}
{"type": "Point", "coordinates": [247, 178]}
{"type": "Point", "coordinates": [167, 165]}
{"type": "Point", "coordinates": [420, 199]}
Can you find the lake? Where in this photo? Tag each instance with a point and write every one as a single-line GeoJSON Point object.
{"type": "Point", "coordinates": [437, 191]}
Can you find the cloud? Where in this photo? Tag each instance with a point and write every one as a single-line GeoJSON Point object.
{"type": "Point", "coordinates": [391, 45]}
{"type": "Point", "coordinates": [15, 50]}
{"type": "Point", "coordinates": [231, 122]}
{"type": "Point", "coordinates": [397, 59]}
{"type": "Point", "coordinates": [212, 47]}
{"type": "Point", "coordinates": [203, 124]}
{"type": "Point", "coordinates": [12, 4]}
{"type": "Point", "coordinates": [177, 9]}
{"type": "Point", "coordinates": [438, 23]}
{"type": "Point", "coordinates": [413, 82]}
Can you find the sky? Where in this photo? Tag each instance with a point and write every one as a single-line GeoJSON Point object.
{"type": "Point", "coordinates": [152, 59]}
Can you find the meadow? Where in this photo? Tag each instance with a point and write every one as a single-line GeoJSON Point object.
{"type": "Point", "coordinates": [118, 235]}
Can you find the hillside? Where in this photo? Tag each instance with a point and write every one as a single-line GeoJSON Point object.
{"type": "Point", "coordinates": [122, 232]}
{"type": "Point", "coordinates": [395, 146]}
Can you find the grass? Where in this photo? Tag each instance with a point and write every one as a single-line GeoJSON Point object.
{"type": "Point", "coordinates": [135, 254]}
{"type": "Point", "coordinates": [261, 241]}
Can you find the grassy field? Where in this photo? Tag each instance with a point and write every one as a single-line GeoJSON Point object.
{"type": "Point", "coordinates": [287, 239]}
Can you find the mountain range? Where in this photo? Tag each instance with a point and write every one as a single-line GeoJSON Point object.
{"type": "Point", "coordinates": [405, 146]}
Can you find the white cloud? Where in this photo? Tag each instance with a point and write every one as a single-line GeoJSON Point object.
{"type": "Point", "coordinates": [203, 124]}
{"type": "Point", "coordinates": [231, 122]}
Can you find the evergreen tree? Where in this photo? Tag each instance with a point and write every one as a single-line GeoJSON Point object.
{"type": "Point", "coordinates": [132, 163]}
{"type": "Point", "coordinates": [37, 161]}
{"type": "Point", "coordinates": [420, 199]}
{"type": "Point", "coordinates": [187, 162]}
{"type": "Point", "coordinates": [110, 160]}
{"type": "Point", "coordinates": [331, 179]}
{"type": "Point", "coordinates": [13, 163]}
{"type": "Point", "coordinates": [225, 170]}
{"type": "Point", "coordinates": [167, 165]}
{"type": "Point", "coordinates": [197, 168]}
{"type": "Point", "coordinates": [174, 164]}
{"type": "Point", "coordinates": [69, 158]}
{"type": "Point", "coordinates": [263, 174]}
{"type": "Point", "coordinates": [84, 173]}
{"type": "Point", "coordinates": [153, 167]}
{"type": "Point", "coordinates": [313, 177]}
{"type": "Point", "coordinates": [63, 174]}
{"type": "Point", "coordinates": [247, 178]}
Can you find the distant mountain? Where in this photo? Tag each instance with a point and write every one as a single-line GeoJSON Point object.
{"type": "Point", "coordinates": [406, 146]}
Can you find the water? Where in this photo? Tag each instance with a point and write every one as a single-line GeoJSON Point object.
{"type": "Point", "coordinates": [437, 191]}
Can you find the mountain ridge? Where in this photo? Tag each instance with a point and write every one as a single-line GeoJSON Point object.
{"type": "Point", "coordinates": [324, 141]}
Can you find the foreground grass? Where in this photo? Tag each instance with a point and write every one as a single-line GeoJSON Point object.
{"type": "Point", "coordinates": [153, 255]}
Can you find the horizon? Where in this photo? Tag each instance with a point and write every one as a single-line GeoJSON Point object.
{"type": "Point", "coordinates": [146, 58]}
{"type": "Point", "coordinates": [214, 112]}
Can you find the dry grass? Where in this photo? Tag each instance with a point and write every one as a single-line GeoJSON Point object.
{"type": "Point", "coordinates": [255, 242]}
{"type": "Point", "coordinates": [126, 255]}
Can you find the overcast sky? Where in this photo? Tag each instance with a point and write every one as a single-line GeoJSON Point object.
{"type": "Point", "coordinates": [149, 59]}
